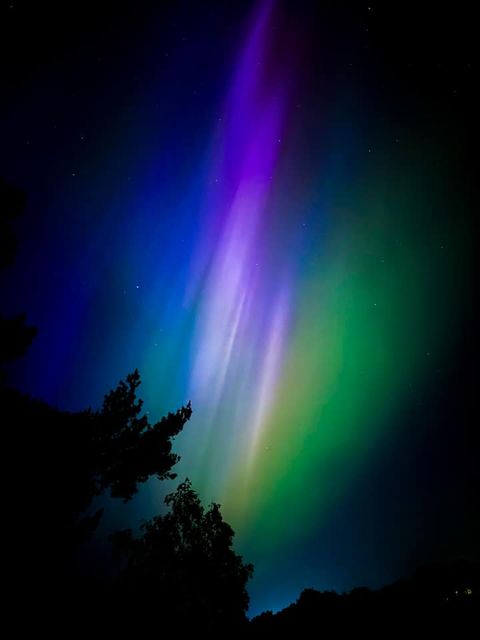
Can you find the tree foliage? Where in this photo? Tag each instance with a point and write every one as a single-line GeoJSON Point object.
{"type": "Point", "coordinates": [74, 457]}
{"type": "Point", "coordinates": [15, 335]}
{"type": "Point", "coordinates": [127, 449]}
{"type": "Point", "coordinates": [182, 565]}
{"type": "Point", "coordinates": [185, 561]}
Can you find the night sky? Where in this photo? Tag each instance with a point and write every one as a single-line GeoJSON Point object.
{"type": "Point", "coordinates": [268, 208]}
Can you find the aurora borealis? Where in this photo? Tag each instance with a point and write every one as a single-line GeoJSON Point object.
{"type": "Point", "coordinates": [244, 204]}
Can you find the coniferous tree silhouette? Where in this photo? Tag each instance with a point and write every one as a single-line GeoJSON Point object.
{"type": "Point", "coordinates": [74, 457]}
{"type": "Point", "coordinates": [61, 461]}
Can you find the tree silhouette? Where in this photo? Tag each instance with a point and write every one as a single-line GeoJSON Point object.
{"type": "Point", "coordinates": [128, 449]}
{"type": "Point", "coordinates": [15, 335]}
{"type": "Point", "coordinates": [65, 459]}
{"type": "Point", "coordinates": [437, 599]}
{"type": "Point", "coordinates": [78, 456]}
{"type": "Point", "coordinates": [183, 563]}
{"type": "Point", "coordinates": [61, 461]}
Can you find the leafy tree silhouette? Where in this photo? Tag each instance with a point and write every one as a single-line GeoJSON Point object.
{"type": "Point", "coordinates": [185, 561]}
